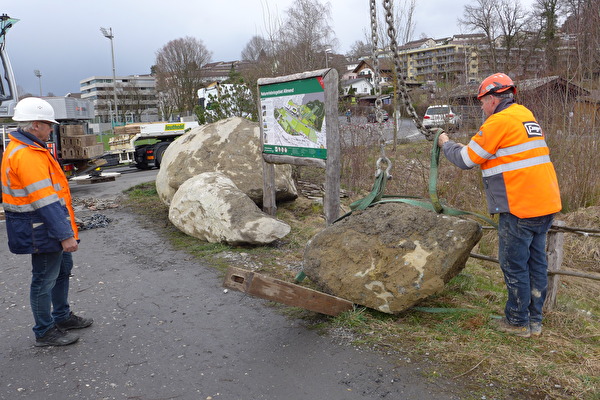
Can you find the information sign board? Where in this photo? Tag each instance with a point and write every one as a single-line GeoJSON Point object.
{"type": "Point", "coordinates": [293, 118]}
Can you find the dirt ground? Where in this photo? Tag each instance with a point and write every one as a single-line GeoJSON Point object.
{"type": "Point", "coordinates": [166, 329]}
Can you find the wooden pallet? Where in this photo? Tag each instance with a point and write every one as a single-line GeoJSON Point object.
{"type": "Point", "coordinates": [272, 289]}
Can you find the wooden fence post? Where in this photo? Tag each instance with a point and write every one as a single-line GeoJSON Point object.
{"type": "Point", "coordinates": [555, 254]}
{"type": "Point", "coordinates": [269, 190]}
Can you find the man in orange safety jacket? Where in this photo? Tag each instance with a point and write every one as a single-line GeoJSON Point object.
{"type": "Point", "coordinates": [521, 186]}
{"type": "Point", "coordinates": [40, 221]}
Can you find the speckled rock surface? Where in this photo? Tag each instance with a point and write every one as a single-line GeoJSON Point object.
{"type": "Point", "coordinates": [232, 147]}
{"type": "Point", "coordinates": [210, 207]}
{"type": "Point", "coordinates": [390, 256]}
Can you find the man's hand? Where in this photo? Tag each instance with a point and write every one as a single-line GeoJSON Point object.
{"type": "Point", "coordinates": [443, 138]}
{"type": "Point", "coordinates": [69, 245]}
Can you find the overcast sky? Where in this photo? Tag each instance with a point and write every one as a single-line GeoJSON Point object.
{"type": "Point", "coordinates": [62, 38]}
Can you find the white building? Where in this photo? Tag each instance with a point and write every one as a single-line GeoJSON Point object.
{"type": "Point", "coordinates": [359, 86]}
{"type": "Point", "coordinates": [137, 100]}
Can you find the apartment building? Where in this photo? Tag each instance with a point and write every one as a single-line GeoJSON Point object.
{"type": "Point", "coordinates": [137, 99]}
{"type": "Point", "coordinates": [454, 59]}
{"type": "Point", "coordinates": [220, 71]}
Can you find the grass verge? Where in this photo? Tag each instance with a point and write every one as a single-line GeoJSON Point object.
{"type": "Point", "coordinates": [449, 332]}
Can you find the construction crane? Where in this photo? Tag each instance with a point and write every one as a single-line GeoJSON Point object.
{"type": "Point", "coordinates": [8, 85]}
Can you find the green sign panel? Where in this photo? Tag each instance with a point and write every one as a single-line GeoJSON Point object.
{"type": "Point", "coordinates": [174, 127]}
{"type": "Point", "coordinates": [293, 118]}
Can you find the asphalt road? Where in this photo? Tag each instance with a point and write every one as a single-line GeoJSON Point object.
{"type": "Point", "coordinates": [166, 329]}
{"type": "Point", "coordinates": [130, 176]}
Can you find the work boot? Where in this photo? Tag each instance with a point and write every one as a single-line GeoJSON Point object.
{"type": "Point", "coordinates": [74, 322]}
{"type": "Point", "coordinates": [56, 337]}
{"type": "Point", "coordinates": [503, 325]}
{"type": "Point", "coordinates": [535, 328]}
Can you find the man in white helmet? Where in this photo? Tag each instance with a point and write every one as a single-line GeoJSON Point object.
{"type": "Point", "coordinates": [40, 221]}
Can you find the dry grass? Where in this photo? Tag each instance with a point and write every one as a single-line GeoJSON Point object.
{"type": "Point", "coordinates": [565, 361]}
{"type": "Point", "coordinates": [458, 344]}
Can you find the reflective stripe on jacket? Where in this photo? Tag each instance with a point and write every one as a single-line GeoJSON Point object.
{"type": "Point", "coordinates": [35, 197]}
{"type": "Point", "coordinates": [518, 175]}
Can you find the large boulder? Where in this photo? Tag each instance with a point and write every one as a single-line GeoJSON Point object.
{"type": "Point", "coordinates": [231, 146]}
{"type": "Point", "coordinates": [210, 207]}
{"type": "Point", "coordinates": [390, 256]}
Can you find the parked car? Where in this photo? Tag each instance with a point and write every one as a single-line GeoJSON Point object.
{"type": "Point", "coordinates": [441, 116]}
{"type": "Point", "coordinates": [372, 118]}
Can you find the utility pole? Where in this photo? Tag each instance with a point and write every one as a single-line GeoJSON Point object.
{"type": "Point", "coordinates": [327, 51]}
{"type": "Point", "coordinates": [109, 35]}
{"type": "Point", "coordinates": [37, 73]}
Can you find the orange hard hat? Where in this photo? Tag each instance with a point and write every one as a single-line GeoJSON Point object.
{"type": "Point", "coordinates": [496, 83]}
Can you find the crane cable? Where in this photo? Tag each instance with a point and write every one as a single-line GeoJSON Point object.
{"type": "Point", "coordinates": [377, 196]}
{"type": "Point", "coordinates": [377, 88]}
{"type": "Point", "coordinates": [391, 31]}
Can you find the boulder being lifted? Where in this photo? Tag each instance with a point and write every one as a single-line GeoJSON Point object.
{"type": "Point", "coordinates": [390, 256]}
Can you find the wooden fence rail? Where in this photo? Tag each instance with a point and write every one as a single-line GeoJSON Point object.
{"type": "Point", "coordinates": [555, 251]}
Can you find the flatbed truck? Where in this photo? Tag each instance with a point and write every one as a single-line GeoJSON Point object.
{"type": "Point", "coordinates": [143, 144]}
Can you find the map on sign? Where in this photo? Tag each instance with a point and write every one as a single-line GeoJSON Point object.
{"type": "Point", "coordinates": [293, 118]}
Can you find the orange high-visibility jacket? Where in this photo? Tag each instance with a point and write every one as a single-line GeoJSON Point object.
{"type": "Point", "coordinates": [518, 175]}
{"type": "Point", "coordinates": [35, 197]}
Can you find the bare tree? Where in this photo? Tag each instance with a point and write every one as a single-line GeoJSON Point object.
{"type": "Point", "coordinates": [403, 14]}
{"type": "Point", "coordinates": [359, 49]}
{"type": "Point", "coordinates": [305, 36]}
{"type": "Point", "coordinates": [482, 17]}
{"type": "Point", "coordinates": [548, 11]}
{"type": "Point", "coordinates": [512, 36]}
{"type": "Point", "coordinates": [135, 101]}
{"type": "Point", "coordinates": [178, 71]}
{"type": "Point", "coordinates": [511, 21]}
{"type": "Point", "coordinates": [295, 44]}
{"type": "Point", "coordinates": [257, 48]}
{"type": "Point", "coordinates": [583, 26]}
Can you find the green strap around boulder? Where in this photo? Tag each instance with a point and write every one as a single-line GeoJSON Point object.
{"type": "Point", "coordinates": [376, 195]}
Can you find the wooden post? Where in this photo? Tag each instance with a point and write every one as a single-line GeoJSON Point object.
{"type": "Point", "coordinates": [555, 254]}
{"type": "Point", "coordinates": [331, 199]}
{"type": "Point", "coordinates": [269, 190]}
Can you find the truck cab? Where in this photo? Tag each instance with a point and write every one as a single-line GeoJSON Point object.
{"type": "Point", "coordinates": [143, 144]}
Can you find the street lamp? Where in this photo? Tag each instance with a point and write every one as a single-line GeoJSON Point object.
{"type": "Point", "coordinates": [109, 35]}
{"type": "Point", "coordinates": [37, 73]}
{"type": "Point", "coordinates": [327, 51]}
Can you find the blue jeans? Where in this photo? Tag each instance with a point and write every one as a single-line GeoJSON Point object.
{"type": "Point", "coordinates": [522, 255]}
{"type": "Point", "coordinates": [49, 292]}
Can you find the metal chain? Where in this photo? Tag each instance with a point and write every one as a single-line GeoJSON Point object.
{"type": "Point", "coordinates": [374, 47]}
{"type": "Point", "coordinates": [389, 17]}
{"type": "Point", "coordinates": [377, 87]}
{"type": "Point", "coordinates": [377, 71]}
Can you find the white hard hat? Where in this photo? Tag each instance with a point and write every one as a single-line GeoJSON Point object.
{"type": "Point", "coordinates": [34, 109]}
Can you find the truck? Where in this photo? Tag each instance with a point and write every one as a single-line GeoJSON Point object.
{"type": "Point", "coordinates": [72, 142]}
{"type": "Point", "coordinates": [143, 144]}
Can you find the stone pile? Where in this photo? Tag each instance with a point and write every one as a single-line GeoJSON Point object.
{"type": "Point", "coordinates": [211, 178]}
